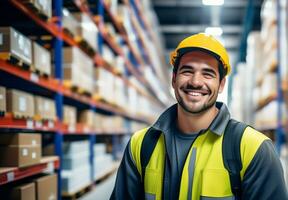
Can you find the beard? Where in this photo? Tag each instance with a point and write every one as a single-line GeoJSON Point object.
{"type": "Point", "coordinates": [200, 108]}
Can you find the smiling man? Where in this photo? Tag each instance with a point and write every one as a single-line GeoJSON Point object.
{"type": "Point", "coordinates": [195, 150]}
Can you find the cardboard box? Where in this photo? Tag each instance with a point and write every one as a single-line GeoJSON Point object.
{"type": "Point", "coordinates": [20, 139]}
{"type": "Point", "coordinates": [104, 82]}
{"type": "Point", "coordinates": [76, 161]}
{"type": "Point", "coordinates": [87, 118]}
{"type": "Point", "coordinates": [21, 104]}
{"type": "Point", "coordinates": [98, 122]}
{"type": "Point", "coordinates": [14, 43]}
{"type": "Point", "coordinates": [45, 108]}
{"type": "Point", "coordinates": [87, 29]}
{"type": "Point", "coordinates": [43, 6]}
{"type": "Point", "coordinates": [69, 22]}
{"type": "Point", "coordinates": [73, 180]}
{"type": "Point", "coordinates": [23, 192]}
{"type": "Point", "coordinates": [72, 148]}
{"type": "Point", "coordinates": [73, 55]}
{"type": "Point", "coordinates": [41, 59]}
{"type": "Point", "coordinates": [2, 99]}
{"type": "Point", "coordinates": [19, 156]}
{"type": "Point", "coordinates": [69, 116]}
{"type": "Point", "coordinates": [46, 187]}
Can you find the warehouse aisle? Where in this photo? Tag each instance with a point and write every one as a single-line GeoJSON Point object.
{"type": "Point", "coordinates": [102, 190]}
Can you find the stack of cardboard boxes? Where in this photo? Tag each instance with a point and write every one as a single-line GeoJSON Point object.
{"type": "Point", "coordinates": [78, 69]}
{"type": "Point", "coordinates": [70, 117]}
{"type": "Point", "coordinates": [102, 160]}
{"type": "Point", "coordinates": [76, 172]}
{"type": "Point", "coordinates": [25, 105]}
{"type": "Point", "coordinates": [41, 60]}
{"type": "Point", "coordinates": [15, 47]}
{"type": "Point", "coordinates": [44, 7]}
{"type": "Point", "coordinates": [19, 50]}
{"type": "Point", "coordinates": [20, 150]}
{"type": "Point", "coordinates": [39, 188]}
{"type": "Point", "coordinates": [104, 85]}
{"type": "Point", "coordinates": [45, 108]}
{"type": "Point", "coordinates": [20, 104]}
{"type": "Point", "coordinates": [87, 29]}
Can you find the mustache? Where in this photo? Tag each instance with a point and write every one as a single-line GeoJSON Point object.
{"type": "Point", "coordinates": [191, 87]}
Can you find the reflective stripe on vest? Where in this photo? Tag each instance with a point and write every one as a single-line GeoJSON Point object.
{"type": "Point", "coordinates": [204, 175]}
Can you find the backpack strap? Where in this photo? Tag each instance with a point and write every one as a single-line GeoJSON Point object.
{"type": "Point", "coordinates": [148, 144]}
{"type": "Point", "coordinates": [232, 155]}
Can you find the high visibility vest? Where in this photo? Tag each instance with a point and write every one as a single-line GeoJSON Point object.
{"type": "Point", "coordinates": [204, 175]}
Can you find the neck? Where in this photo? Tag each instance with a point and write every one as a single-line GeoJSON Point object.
{"type": "Point", "coordinates": [193, 123]}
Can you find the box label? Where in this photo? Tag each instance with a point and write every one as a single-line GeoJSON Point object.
{"type": "Point", "coordinates": [52, 197]}
{"type": "Point", "coordinates": [39, 124]}
{"type": "Point", "coordinates": [34, 143]}
{"type": "Point", "coordinates": [51, 124]}
{"type": "Point", "coordinates": [24, 152]}
{"type": "Point", "coordinates": [34, 155]}
{"type": "Point", "coordinates": [29, 124]}
{"type": "Point", "coordinates": [10, 176]}
{"type": "Point", "coordinates": [71, 128]}
{"type": "Point", "coordinates": [50, 167]}
{"type": "Point", "coordinates": [46, 106]}
{"type": "Point", "coordinates": [22, 104]}
{"type": "Point", "coordinates": [34, 77]}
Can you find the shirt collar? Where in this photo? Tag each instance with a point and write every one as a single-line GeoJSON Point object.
{"type": "Point", "coordinates": [217, 126]}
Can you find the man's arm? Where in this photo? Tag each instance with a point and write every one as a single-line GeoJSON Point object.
{"type": "Point", "coordinates": [128, 182]}
{"type": "Point", "coordinates": [264, 177]}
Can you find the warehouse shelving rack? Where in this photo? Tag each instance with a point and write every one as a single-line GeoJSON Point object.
{"type": "Point", "coordinates": [60, 93]}
{"type": "Point", "coordinates": [273, 67]}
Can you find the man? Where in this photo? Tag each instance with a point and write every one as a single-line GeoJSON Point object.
{"type": "Point", "coordinates": [187, 161]}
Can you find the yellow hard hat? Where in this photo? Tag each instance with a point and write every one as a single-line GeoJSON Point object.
{"type": "Point", "coordinates": [201, 42]}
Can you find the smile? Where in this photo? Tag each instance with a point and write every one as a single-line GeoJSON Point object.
{"type": "Point", "coordinates": [195, 93]}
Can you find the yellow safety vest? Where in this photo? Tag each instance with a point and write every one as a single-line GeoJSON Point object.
{"type": "Point", "coordinates": [203, 175]}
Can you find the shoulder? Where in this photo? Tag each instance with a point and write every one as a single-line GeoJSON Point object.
{"type": "Point", "coordinates": [250, 143]}
{"type": "Point", "coordinates": [135, 146]}
{"type": "Point", "coordinates": [137, 137]}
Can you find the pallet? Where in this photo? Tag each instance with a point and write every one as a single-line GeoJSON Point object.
{"type": "Point", "coordinates": [42, 74]}
{"type": "Point", "coordinates": [79, 193]}
{"type": "Point", "coordinates": [76, 89]}
{"type": "Point", "coordinates": [85, 45]}
{"type": "Point", "coordinates": [68, 32]}
{"type": "Point", "coordinates": [15, 61]}
{"type": "Point", "coordinates": [22, 116]}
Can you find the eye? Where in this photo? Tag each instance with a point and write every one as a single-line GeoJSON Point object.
{"type": "Point", "coordinates": [209, 75]}
{"type": "Point", "coordinates": [186, 72]}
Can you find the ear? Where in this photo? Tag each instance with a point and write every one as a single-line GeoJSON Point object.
{"type": "Point", "coordinates": [173, 79]}
{"type": "Point", "coordinates": [222, 84]}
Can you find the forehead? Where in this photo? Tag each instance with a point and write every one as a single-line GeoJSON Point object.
{"type": "Point", "coordinates": [199, 57]}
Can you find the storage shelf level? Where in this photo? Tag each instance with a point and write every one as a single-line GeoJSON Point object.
{"type": "Point", "coordinates": [47, 164]}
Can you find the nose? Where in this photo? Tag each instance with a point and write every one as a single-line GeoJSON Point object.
{"type": "Point", "coordinates": [196, 80]}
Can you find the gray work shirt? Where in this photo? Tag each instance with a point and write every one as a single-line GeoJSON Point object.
{"type": "Point", "coordinates": [181, 143]}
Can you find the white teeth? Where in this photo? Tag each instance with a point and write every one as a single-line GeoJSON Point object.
{"type": "Point", "coordinates": [195, 94]}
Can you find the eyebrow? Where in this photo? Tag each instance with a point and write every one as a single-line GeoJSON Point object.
{"type": "Point", "coordinates": [184, 67]}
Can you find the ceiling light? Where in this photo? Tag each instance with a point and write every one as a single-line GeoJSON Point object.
{"type": "Point", "coordinates": [212, 2]}
{"type": "Point", "coordinates": [215, 31]}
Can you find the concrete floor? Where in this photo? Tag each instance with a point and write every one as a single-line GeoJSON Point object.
{"type": "Point", "coordinates": [102, 190]}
